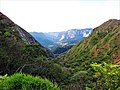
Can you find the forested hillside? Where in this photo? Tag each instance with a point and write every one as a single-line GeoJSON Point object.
{"type": "Point", "coordinates": [92, 64]}
{"type": "Point", "coordinates": [17, 47]}
{"type": "Point", "coordinates": [20, 52]}
{"type": "Point", "coordinates": [103, 45]}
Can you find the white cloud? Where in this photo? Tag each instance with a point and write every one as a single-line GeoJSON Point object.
{"type": "Point", "coordinates": [58, 15]}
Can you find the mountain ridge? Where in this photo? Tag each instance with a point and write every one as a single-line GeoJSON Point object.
{"type": "Point", "coordinates": [69, 34]}
{"type": "Point", "coordinates": [5, 20]}
{"type": "Point", "coordinates": [16, 44]}
{"type": "Point", "coordinates": [102, 45]}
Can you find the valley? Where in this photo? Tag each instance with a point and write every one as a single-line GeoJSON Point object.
{"type": "Point", "coordinates": [61, 42]}
{"type": "Point", "coordinates": [91, 62]}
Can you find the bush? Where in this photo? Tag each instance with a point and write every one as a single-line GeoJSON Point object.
{"type": "Point", "coordinates": [21, 81]}
{"type": "Point", "coordinates": [107, 76]}
{"type": "Point", "coordinates": [7, 33]}
{"type": "Point", "coordinates": [0, 33]}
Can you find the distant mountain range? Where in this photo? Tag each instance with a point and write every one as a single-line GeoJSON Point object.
{"type": "Point", "coordinates": [53, 40]}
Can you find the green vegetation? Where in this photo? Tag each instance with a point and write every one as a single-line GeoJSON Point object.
{"type": "Point", "coordinates": [103, 45]}
{"type": "Point", "coordinates": [21, 81]}
{"type": "Point", "coordinates": [99, 77]}
{"type": "Point", "coordinates": [107, 76]}
{"type": "Point", "coordinates": [61, 49]}
{"type": "Point", "coordinates": [7, 33]}
{"type": "Point", "coordinates": [90, 64]}
{"type": "Point", "coordinates": [18, 56]}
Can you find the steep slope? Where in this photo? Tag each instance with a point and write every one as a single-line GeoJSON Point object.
{"type": "Point", "coordinates": [61, 49]}
{"type": "Point", "coordinates": [92, 61]}
{"type": "Point", "coordinates": [20, 52]}
{"type": "Point", "coordinates": [6, 24]}
{"type": "Point", "coordinates": [41, 38]}
{"type": "Point", "coordinates": [102, 45]}
{"type": "Point", "coordinates": [17, 47]}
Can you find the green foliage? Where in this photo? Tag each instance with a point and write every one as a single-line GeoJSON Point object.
{"type": "Point", "coordinates": [102, 45]}
{"type": "Point", "coordinates": [21, 81]}
{"type": "Point", "coordinates": [7, 33]}
{"type": "Point", "coordinates": [87, 88]}
{"type": "Point", "coordinates": [72, 71]}
{"type": "Point", "coordinates": [107, 75]}
{"type": "Point", "coordinates": [14, 53]}
{"type": "Point", "coordinates": [0, 33]}
{"type": "Point", "coordinates": [47, 68]}
{"type": "Point", "coordinates": [17, 56]}
{"type": "Point", "coordinates": [94, 40]}
{"type": "Point", "coordinates": [61, 49]}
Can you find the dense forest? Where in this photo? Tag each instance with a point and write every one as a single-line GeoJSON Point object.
{"type": "Point", "coordinates": [91, 64]}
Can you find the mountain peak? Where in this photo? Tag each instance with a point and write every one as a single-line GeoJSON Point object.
{"type": "Point", "coordinates": [1, 14]}
{"type": "Point", "coordinates": [113, 22]}
{"type": "Point", "coordinates": [102, 44]}
{"type": "Point", "coordinates": [110, 23]}
{"type": "Point", "coordinates": [5, 22]}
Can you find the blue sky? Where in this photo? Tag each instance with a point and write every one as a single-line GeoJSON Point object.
{"type": "Point", "coordinates": [60, 15]}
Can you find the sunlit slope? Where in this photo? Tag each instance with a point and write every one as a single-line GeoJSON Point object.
{"type": "Point", "coordinates": [102, 45]}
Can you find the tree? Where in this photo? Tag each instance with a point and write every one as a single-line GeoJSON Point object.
{"type": "Point", "coordinates": [107, 76]}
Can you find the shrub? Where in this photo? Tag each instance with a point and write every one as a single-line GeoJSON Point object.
{"type": "Point", "coordinates": [107, 75]}
{"type": "Point", "coordinates": [7, 33]}
{"type": "Point", "coordinates": [21, 81]}
{"type": "Point", "coordinates": [0, 33]}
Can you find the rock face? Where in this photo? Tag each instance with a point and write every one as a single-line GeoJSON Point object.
{"type": "Point", "coordinates": [25, 35]}
{"type": "Point", "coordinates": [5, 21]}
{"type": "Point", "coordinates": [42, 38]}
{"type": "Point", "coordinates": [72, 34]}
{"type": "Point", "coordinates": [75, 34]}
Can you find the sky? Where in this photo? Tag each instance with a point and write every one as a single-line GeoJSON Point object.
{"type": "Point", "coordinates": [59, 15]}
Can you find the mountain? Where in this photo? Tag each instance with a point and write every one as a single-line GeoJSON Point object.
{"type": "Point", "coordinates": [59, 50]}
{"type": "Point", "coordinates": [20, 52]}
{"type": "Point", "coordinates": [17, 47]}
{"type": "Point", "coordinates": [88, 65]}
{"type": "Point", "coordinates": [103, 45]}
{"type": "Point", "coordinates": [42, 38]}
{"type": "Point", "coordinates": [93, 61]}
{"type": "Point", "coordinates": [73, 34]}
{"type": "Point", "coordinates": [55, 40]}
